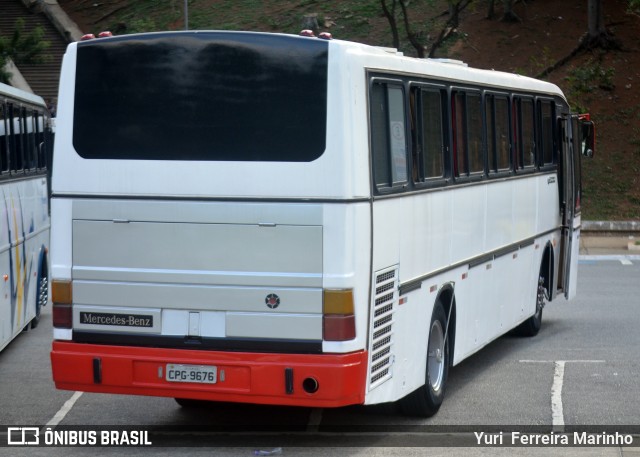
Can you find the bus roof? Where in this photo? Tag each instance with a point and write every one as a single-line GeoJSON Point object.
{"type": "Point", "coordinates": [382, 59]}
{"type": "Point", "coordinates": [376, 58]}
{"type": "Point", "coordinates": [20, 94]}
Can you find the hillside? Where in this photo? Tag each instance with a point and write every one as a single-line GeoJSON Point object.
{"type": "Point", "coordinates": [607, 84]}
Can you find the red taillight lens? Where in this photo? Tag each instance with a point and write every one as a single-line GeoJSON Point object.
{"type": "Point", "coordinates": [62, 299]}
{"type": "Point", "coordinates": [62, 316]}
{"type": "Point", "coordinates": [336, 327]}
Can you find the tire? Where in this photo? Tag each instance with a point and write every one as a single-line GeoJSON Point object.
{"type": "Point", "coordinates": [532, 326]}
{"type": "Point", "coordinates": [426, 400]}
{"type": "Point", "coordinates": [42, 291]}
{"type": "Point", "coordinates": [189, 403]}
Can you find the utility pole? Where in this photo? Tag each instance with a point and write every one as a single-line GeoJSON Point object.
{"type": "Point", "coordinates": [186, 14]}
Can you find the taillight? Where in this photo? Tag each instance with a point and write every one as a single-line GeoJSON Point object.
{"type": "Point", "coordinates": [338, 323]}
{"type": "Point", "coordinates": [62, 316]}
{"type": "Point", "coordinates": [62, 298]}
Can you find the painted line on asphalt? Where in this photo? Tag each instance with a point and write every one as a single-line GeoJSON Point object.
{"type": "Point", "coordinates": [624, 259]}
{"type": "Point", "coordinates": [557, 409]}
{"type": "Point", "coordinates": [62, 413]}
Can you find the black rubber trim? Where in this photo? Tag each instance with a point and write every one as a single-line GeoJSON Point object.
{"type": "Point", "coordinates": [223, 344]}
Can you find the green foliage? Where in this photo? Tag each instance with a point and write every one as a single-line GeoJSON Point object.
{"type": "Point", "coordinates": [541, 60]}
{"type": "Point", "coordinates": [586, 79]}
{"type": "Point", "coordinates": [590, 77]}
{"type": "Point", "coordinates": [610, 187]}
{"type": "Point", "coordinates": [22, 48]}
{"type": "Point", "coordinates": [634, 6]}
{"type": "Point", "coordinates": [140, 25]}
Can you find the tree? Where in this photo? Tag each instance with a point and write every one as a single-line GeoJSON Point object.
{"type": "Point", "coordinates": [414, 37]}
{"type": "Point", "coordinates": [390, 13]}
{"type": "Point", "coordinates": [598, 36]}
{"type": "Point", "coordinates": [455, 8]}
{"type": "Point", "coordinates": [21, 48]}
{"type": "Point", "coordinates": [509, 15]}
{"type": "Point", "coordinates": [419, 39]}
{"type": "Point", "coordinates": [491, 10]}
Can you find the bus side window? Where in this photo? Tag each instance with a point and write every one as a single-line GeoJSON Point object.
{"type": "Point", "coordinates": [31, 155]}
{"type": "Point", "coordinates": [40, 141]}
{"type": "Point", "coordinates": [468, 150]}
{"type": "Point", "coordinates": [546, 116]}
{"type": "Point", "coordinates": [474, 133]}
{"type": "Point", "coordinates": [525, 133]}
{"type": "Point", "coordinates": [15, 140]}
{"type": "Point", "coordinates": [498, 140]}
{"type": "Point", "coordinates": [388, 139]}
{"type": "Point", "coordinates": [429, 139]}
{"type": "Point", "coordinates": [4, 139]}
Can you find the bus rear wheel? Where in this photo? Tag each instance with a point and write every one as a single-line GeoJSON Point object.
{"type": "Point", "coordinates": [532, 326]}
{"type": "Point", "coordinates": [426, 400]}
{"type": "Point", "coordinates": [43, 293]}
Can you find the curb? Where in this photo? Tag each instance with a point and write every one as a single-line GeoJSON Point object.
{"type": "Point", "coordinates": [613, 227]}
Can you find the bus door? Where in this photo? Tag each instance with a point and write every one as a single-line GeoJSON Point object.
{"type": "Point", "coordinates": [567, 207]}
{"type": "Point", "coordinates": [573, 146]}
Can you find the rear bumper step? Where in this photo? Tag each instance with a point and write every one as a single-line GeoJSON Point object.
{"type": "Point", "coordinates": [279, 379]}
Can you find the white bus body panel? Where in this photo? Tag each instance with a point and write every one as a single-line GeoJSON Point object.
{"type": "Point", "coordinates": [24, 235]}
{"type": "Point", "coordinates": [455, 227]}
{"type": "Point", "coordinates": [222, 260]}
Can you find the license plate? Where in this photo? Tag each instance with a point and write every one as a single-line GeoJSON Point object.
{"type": "Point", "coordinates": [191, 373]}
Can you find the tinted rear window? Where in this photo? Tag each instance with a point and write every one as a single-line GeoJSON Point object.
{"type": "Point", "coordinates": [201, 96]}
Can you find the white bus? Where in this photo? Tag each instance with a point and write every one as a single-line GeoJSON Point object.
{"type": "Point", "coordinates": [25, 138]}
{"type": "Point", "coordinates": [276, 219]}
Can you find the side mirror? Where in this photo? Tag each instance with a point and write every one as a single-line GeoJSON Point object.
{"type": "Point", "coordinates": [588, 138]}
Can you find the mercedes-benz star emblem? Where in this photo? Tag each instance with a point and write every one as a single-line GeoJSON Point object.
{"type": "Point", "coordinates": [272, 301]}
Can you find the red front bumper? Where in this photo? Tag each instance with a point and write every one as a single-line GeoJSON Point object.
{"type": "Point", "coordinates": [247, 378]}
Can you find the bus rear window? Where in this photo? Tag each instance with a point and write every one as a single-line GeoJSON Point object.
{"type": "Point", "coordinates": [208, 96]}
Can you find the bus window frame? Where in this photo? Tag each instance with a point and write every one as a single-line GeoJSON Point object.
{"type": "Point", "coordinates": [468, 176]}
{"type": "Point", "coordinates": [416, 141]}
{"type": "Point", "coordinates": [16, 145]}
{"type": "Point", "coordinates": [555, 144]}
{"type": "Point", "coordinates": [41, 141]}
{"type": "Point", "coordinates": [518, 145]}
{"type": "Point", "coordinates": [493, 171]}
{"type": "Point", "coordinates": [396, 186]}
{"type": "Point", "coordinates": [5, 162]}
{"type": "Point", "coordinates": [31, 156]}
